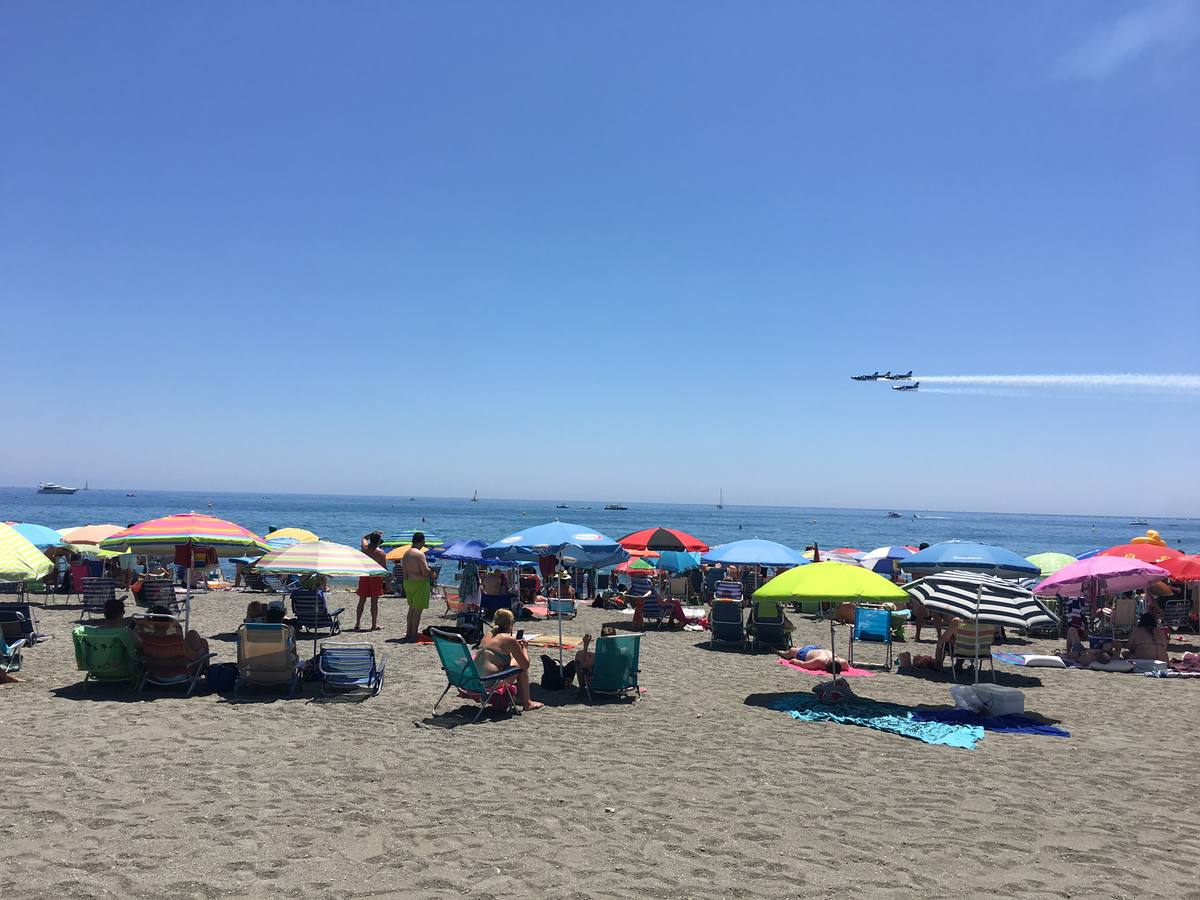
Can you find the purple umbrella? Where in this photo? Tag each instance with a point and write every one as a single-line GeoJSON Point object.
{"type": "Point", "coordinates": [1099, 575]}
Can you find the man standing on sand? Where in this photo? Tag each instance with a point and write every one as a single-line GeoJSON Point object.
{"type": "Point", "coordinates": [416, 583]}
{"type": "Point", "coordinates": [371, 585]}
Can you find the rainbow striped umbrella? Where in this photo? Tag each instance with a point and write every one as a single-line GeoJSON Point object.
{"type": "Point", "coordinates": [319, 558]}
{"type": "Point", "coordinates": [159, 535]}
{"type": "Point", "coordinates": [20, 560]}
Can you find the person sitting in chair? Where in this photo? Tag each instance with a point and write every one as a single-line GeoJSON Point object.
{"type": "Point", "coordinates": [641, 589]}
{"type": "Point", "coordinates": [1147, 640]}
{"type": "Point", "coordinates": [500, 650]}
{"type": "Point", "coordinates": [585, 659]}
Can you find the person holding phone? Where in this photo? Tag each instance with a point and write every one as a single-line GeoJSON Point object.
{"type": "Point", "coordinates": [500, 650]}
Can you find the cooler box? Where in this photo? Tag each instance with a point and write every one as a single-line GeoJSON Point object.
{"type": "Point", "coordinates": [1000, 701]}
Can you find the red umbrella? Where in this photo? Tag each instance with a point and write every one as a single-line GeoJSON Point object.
{"type": "Point", "coordinates": [1182, 568]}
{"type": "Point", "coordinates": [662, 539]}
{"type": "Point", "coordinates": [1148, 553]}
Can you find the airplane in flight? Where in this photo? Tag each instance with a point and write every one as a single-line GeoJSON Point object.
{"type": "Point", "coordinates": [875, 376]}
{"type": "Point", "coordinates": [907, 376]}
{"type": "Point", "coordinates": [906, 387]}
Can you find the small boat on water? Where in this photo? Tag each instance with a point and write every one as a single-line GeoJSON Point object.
{"type": "Point", "coordinates": [49, 487]}
{"type": "Point", "coordinates": [1139, 522]}
{"type": "Point", "coordinates": [130, 494]}
{"type": "Point", "coordinates": [894, 515]}
{"type": "Point", "coordinates": [721, 499]}
{"type": "Point", "coordinates": [615, 506]}
{"type": "Point", "coordinates": [475, 499]}
{"type": "Point", "coordinates": [562, 506]}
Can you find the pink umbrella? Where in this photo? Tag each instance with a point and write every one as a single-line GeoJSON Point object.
{"type": "Point", "coordinates": [1099, 575]}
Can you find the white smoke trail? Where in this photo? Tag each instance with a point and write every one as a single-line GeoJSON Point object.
{"type": "Point", "coordinates": [1155, 384]}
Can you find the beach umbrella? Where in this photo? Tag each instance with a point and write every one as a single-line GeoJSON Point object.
{"type": "Point", "coordinates": [830, 582]}
{"type": "Point", "coordinates": [1100, 575]}
{"type": "Point", "coordinates": [157, 537]}
{"type": "Point", "coordinates": [1049, 563]}
{"type": "Point", "coordinates": [572, 545]}
{"type": "Point", "coordinates": [678, 561]}
{"type": "Point", "coordinates": [1182, 568]}
{"type": "Point", "coordinates": [464, 551]}
{"type": "Point", "coordinates": [882, 560]}
{"type": "Point", "coordinates": [631, 566]}
{"type": "Point", "coordinates": [969, 556]}
{"type": "Point", "coordinates": [406, 537]}
{"type": "Point", "coordinates": [981, 598]}
{"type": "Point", "coordinates": [754, 552]}
{"type": "Point", "coordinates": [89, 534]}
{"type": "Point", "coordinates": [1147, 553]}
{"type": "Point", "coordinates": [659, 538]}
{"type": "Point", "coordinates": [319, 558]}
{"type": "Point", "coordinates": [303, 535]}
{"type": "Point", "coordinates": [397, 553]}
{"type": "Point", "coordinates": [20, 560]}
{"type": "Point", "coordinates": [38, 535]}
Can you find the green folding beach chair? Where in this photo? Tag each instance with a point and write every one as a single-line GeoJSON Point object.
{"type": "Point", "coordinates": [461, 674]}
{"type": "Point", "coordinates": [10, 654]}
{"type": "Point", "coordinates": [615, 670]}
{"type": "Point", "coordinates": [106, 654]}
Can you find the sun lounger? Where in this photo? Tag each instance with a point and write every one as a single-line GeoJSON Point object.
{"type": "Point", "coordinates": [267, 657]}
{"type": "Point", "coordinates": [161, 592]}
{"type": "Point", "coordinates": [252, 580]}
{"type": "Point", "coordinates": [106, 654]}
{"type": "Point", "coordinates": [872, 626]}
{"type": "Point", "coordinates": [165, 654]}
{"type": "Point", "coordinates": [728, 590]}
{"type": "Point", "coordinates": [768, 629]}
{"type": "Point", "coordinates": [725, 623]}
{"type": "Point", "coordinates": [96, 593]}
{"type": "Point", "coordinates": [19, 620]}
{"type": "Point", "coordinates": [350, 667]}
{"type": "Point", "coordinates": [615, 668]}
{"type": "Point", "coordinates": [313, 615]}
{"type": "Point", "coordinates": [462, 674]}
{"type": "Point", "coordinates": [970, 642]}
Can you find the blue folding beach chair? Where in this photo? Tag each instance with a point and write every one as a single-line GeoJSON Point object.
{"type": "Point", "coordinates": [725, 623]}
{"type": "Point", "coordinates": [351, 667]}
{"type": "Point", "coordinates": [461, 673]}
{"type": "Point", "coordinates": [19, 620]}
{"type": "Point", "coordinates": [615, 668]}
{"type": "Point", "coordinates": [312, 614]}
{"type": "Point", "coordinates": [873, 626]}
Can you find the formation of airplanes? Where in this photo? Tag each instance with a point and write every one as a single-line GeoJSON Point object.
{"type": "Point", "coordinates": [888, 376]}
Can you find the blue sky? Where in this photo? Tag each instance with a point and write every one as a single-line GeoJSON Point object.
{"type": "Point", "coordinates": [634, 252]}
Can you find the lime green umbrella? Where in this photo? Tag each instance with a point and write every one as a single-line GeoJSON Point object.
{"type": "Point", "coordinates": [1050, 563]}
{"type": "Point", "coordinates": [830, 582]}
{"type": "Point", "coordinates": [20, 560]}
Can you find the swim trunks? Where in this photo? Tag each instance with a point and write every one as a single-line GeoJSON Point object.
{"type": "Point", "coordinates": [370, 586]}
{"type": "Point", "coordinates": [802, 653]}
{"type": "Point", "coordinates": [416, 592]}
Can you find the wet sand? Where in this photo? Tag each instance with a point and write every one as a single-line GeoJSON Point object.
{"type": "Point", "coordinates": [696, 790]}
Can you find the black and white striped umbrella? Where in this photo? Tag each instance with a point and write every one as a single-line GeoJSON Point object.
{"type": "Point", "coordinates": [976, 597]}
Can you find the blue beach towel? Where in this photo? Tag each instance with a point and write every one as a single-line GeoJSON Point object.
{"type": "Point", "coordinates": [890, 717]}
{"type": "Point", "coordinates": [1011, 724]}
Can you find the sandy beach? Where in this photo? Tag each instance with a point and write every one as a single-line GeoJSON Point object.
{"type": "Point", "coordinates": [696, 790]}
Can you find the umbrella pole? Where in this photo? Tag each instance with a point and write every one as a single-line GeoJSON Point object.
{"type": "Point", "coordinates": [978, 600]}
{"type": "Point", "coordinates": [558, 609]}
{"type": "Point", "coordinates": [187, 580]}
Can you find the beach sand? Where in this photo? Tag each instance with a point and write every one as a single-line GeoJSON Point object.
{"type": "Point", "coordinates": [696, 790]}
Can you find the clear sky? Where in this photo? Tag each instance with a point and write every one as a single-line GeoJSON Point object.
{"type": "Point", "coordinates": [627, 251]}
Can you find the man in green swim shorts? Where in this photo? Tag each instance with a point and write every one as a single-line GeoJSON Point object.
{"type": "Point", "coordinates": [416, 584]}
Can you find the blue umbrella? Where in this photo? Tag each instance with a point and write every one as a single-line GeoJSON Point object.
{"type": "Point", "coordinates": [677, 561]}
{"type": "Point", "coordinates": [39, 535]}
{"type": "Point", "coordinates": [1088, 554]}
{"type": "Point", "coordinates": [589, 549]}
{"type": "Point", "coordinates": [463, 551]}
{"type": "Point", "coordinates": [880, 560]}
{"type": "Point", "coordinates": [969, 556]}
{"type": "Point", "coordinates": [754, 552]}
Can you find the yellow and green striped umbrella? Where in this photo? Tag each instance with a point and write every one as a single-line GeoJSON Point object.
{"type": "Point", "coordinates": [319, 558]}
{"type": "Point", "coordinates": [20, 560]}
{"type": "Point", "coordinates": [296, 534]}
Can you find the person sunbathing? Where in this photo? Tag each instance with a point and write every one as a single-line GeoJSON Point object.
{"type": "Point", "coordinates": [585, 659]}
{"type": "Point", "coordinates": [1147, 640]}
{"type": "Point", "coordinates": [500, 650]}
{"type": "Point", "coordinates": [1081, 655]}
{"type": "Point", "coordinates": [814, 658]}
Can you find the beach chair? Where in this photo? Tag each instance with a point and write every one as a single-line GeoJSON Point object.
{"type": "Point", "coordinates": [13, 588]}
{"type": "Point", "coordinates": [563, 606]}
{"type": "Point", "coordinates": [728, 590]}
{"type": "Point", "coordinates": [267, 657]}
{"type": "Point", "coordinates": [679, 588]}
{"type": "Point", "coordinates": [768, 627]}
{"type": "Point", "coordinates": [726, 625]}
{"type": "Point", "coordinates": [1123, 618]}
{"type": "Point", "coordinates": [972, 641]}
{"type": "Point", "coordinates": [461, 674]}
{"type": "Point", "coordinates": [96, 593]}
{"type": "Point", "coordinates": [351, 667]}
{"type": "Point", "coordinates": [164, 654]}
{"type": "Point", "coordinates": [653, 609]}
{"type": "Point", "coordinates": [106, 654]}
{"type": "Point", "coordinates": [18, 620]}
{"type": "Point", "coordinates": [277, 584]}
{"type": "Point", "coordinates": [252, 580]}
{"type": "Point", "coordinates": [615, 668]}
{"type": "Point", "coordinates": [10, 654]}
{"type": "Point", "coordinates": [313, 615]}
{"type": "Point", "coordinates": [161, 592]}
{"type": "Point", "coordinates": [872, 626]}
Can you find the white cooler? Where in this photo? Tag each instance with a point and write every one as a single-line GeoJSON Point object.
{"type": "Point", "coordinates": [1000, 701]}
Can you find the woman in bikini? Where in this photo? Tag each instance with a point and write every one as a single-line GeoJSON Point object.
{"type": "Point", "coordinates": [500, 650]}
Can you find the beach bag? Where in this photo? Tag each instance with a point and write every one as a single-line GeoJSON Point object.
{"type": "Point", "coordinates": [222, 677]}
{"type": "Point", "coordinates": [552, 676]}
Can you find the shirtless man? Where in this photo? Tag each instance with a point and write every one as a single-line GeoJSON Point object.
{"type": "Point", "coordinates": [416, 584]}
{"type": "Point", "coordinates": [371, 586]}
{"type": "Point", "coordinates": [814, 658]}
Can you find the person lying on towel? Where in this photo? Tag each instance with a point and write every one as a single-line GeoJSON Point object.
{"type": "Point", "coordinates": [814, 658]}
